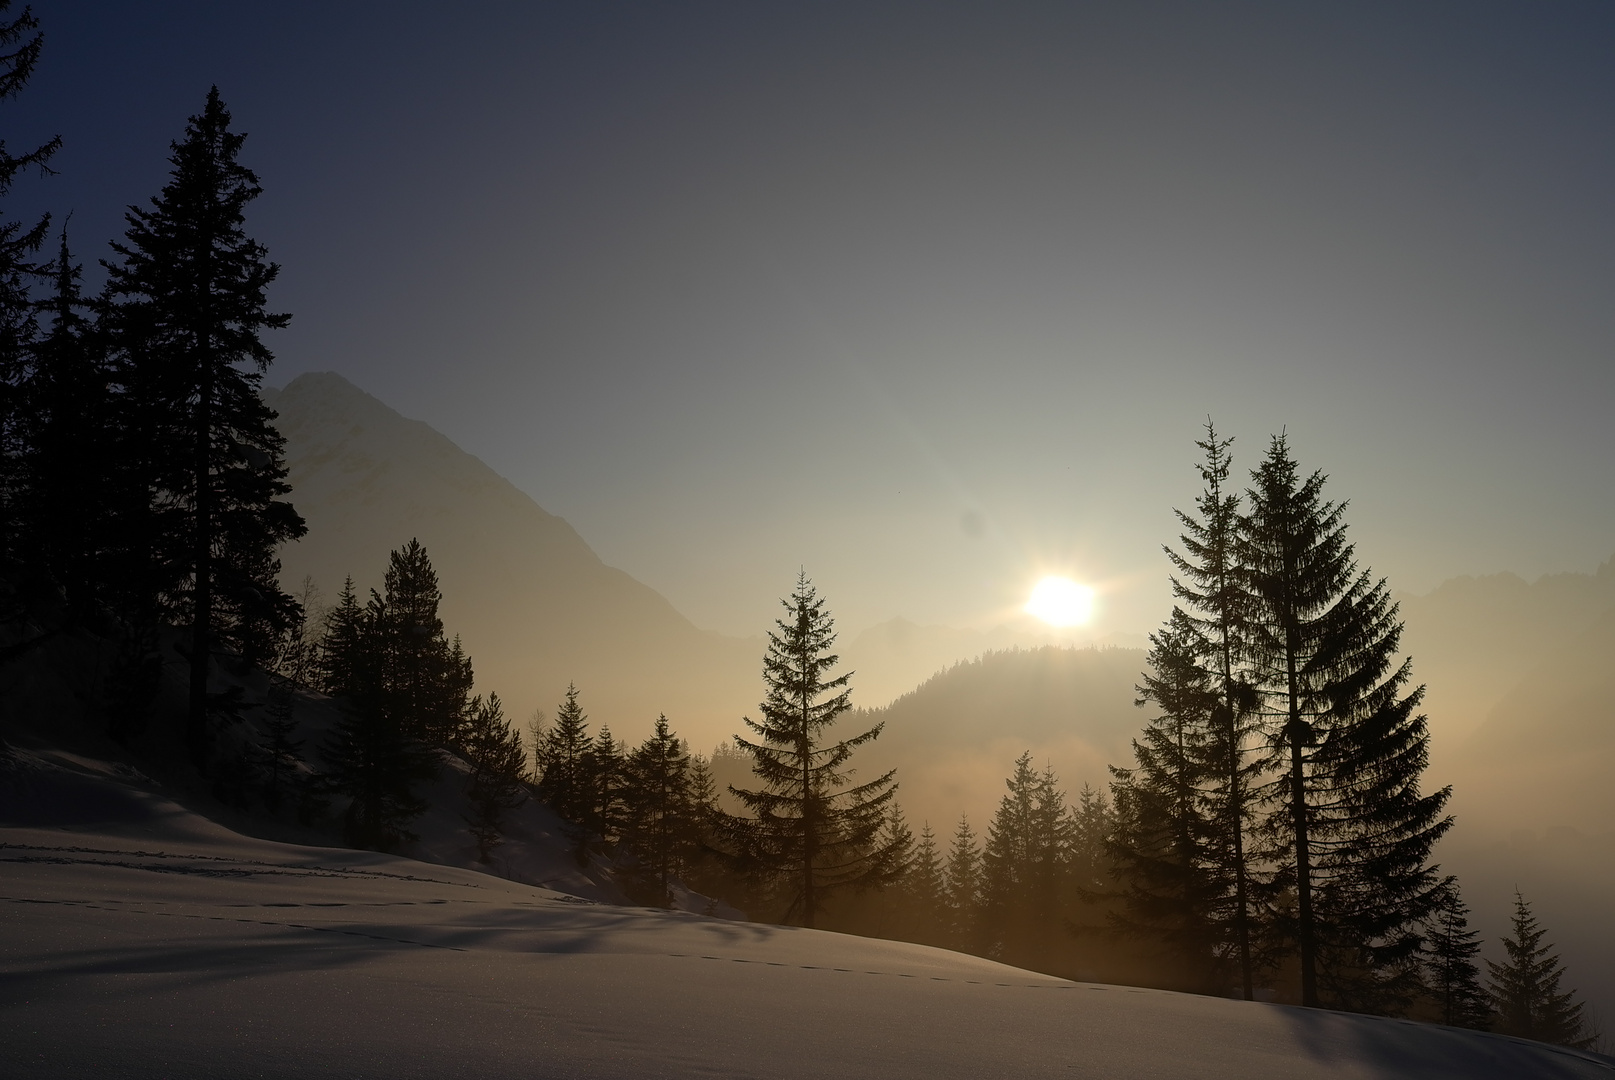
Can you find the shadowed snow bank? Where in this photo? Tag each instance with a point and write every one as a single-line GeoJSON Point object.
{"type": "Point", "coordinates": [160, 944]}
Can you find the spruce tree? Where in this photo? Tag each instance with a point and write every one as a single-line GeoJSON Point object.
{"type": "Point", "coordinates": [607, 782]}
{"type": "Point", "coordinates": [1209, 586]}
{"type": "Point", "coordinates": [1021, 866]}
{"type": "Point", "coordinates": [660, 819]}
{"type": "Point", "coordinates": [1323, 637]}
{"type": "Point", "coordinates": [1451, 977]}
{"type": "Point", "coordinates": [371, 756]}
{"type": "Point", "coordinates": [1089, 827]}
{"type": "Point", "coordinates": [426, 677]}
{"type": "Point", "coordinates": [1525, 995]}
{"type": "Point", "coordinates": [20, 45]}
{"type": "Point", "coordinates": [494, 751]}
{"type": "Point", "coordinates": [563, 762]}
{"type": "Point", "coordinates": [62, 494]}
{"type": "Point", "coordinates": [1165, 839]}
{"type": "Point", "coordinates": [189, 305]}
{"type": "Point", "coordinates": [962, 886]}
{"type": "Point", "coordinates": [924, 892]}
{"type": "Point", "coordinates": [814, 831]}
{"type": "Point", "coordinates": [342, 643]}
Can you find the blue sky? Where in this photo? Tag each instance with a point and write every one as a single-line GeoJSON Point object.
{"type": "Point", "coordinates": [929, 299]}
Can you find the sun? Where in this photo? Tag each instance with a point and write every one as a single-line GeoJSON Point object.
{"type": "Point", "coordinates": [1060, 601]}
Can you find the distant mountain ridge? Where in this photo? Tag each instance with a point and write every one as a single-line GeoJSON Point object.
{"type": "Point", "coordinates": [955, 738]}
{"type": "Point", "coordinates": [536, 607]}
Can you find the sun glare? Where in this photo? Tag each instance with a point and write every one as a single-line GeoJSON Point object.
{"type": "Point", "coordinates": [1060, 601]}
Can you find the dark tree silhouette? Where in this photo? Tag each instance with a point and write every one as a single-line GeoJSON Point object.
{"type": "Point", "coordinates": [1525, 995]}
{"type": "Point", "coordinates": [923, 891]}
{"type": "Point", "coordinates": [62, 494]}
{"type": "Point", "coordinates": [20, 45]}
{"type": "Point", "coordinates": [1323, 637]}
{"type": "Point", "coordinates": [1210, 588]}
{"type": "Point", "coordinates": [962, 886]}
{"type": "Point", "coordinates": [427, 678]}
{"type": "Point", "coordinates": [498, 760]}
{"type": "Point", "coordinates": [1452, 978]}
{"type": "Point", "coordinates": [1165, 843]}
{"type": "Point", "coordinates": [661, 823]}
{"type": "Point", "coordinates": [608, 779]}
{"type": "Point", "coordinates": [562, 756]}
{"type": "Point", "coordinates": [342, 644]}
{"type": "Point", "coordinates": [370, 756]}
{"type": "Point", "coordinates": [814, 831]}
{"type": "Point", "coordinates": [189, 304]}
{"type": "Point", "coordinates": [1021, 866]}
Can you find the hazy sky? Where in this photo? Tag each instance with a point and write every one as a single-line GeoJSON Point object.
{"type": "Point", "coordinates": [928, 299]}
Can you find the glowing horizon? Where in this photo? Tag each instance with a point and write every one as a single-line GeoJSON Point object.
{"type": "Point", "coordinates": [1059, 601]}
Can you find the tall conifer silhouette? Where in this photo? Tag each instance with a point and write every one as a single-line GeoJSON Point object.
{"type": "Point", "coordinates": [494, 751]}
{"type": "Point", "coordinates": [814, 830]}
{"type": "Point", "coordinates": [1022, 865]}
{"type": "Point", "coordinates": [1323, 641]}
{"type": "Point", "coordinates": [63, 494]}
{"type": "Point", "coordinates": [20, 46]}
{"type": "Point", "coordinates": [563, 753]}
{"type": "Point", "coordinates": [660, 819]}
{"type": "Point", "coordinates": [189, 293]}
{"type": "Point", "coordinates": [962, 886]}
{"type": "Point", "coordinates": [1452, 978]}
{"type": "Point", "coordinates": [427, 677]}
{"type": "Point", "coordinates": [1165, 842]}
{"type": "Point", "coordinates": [1526, 998]}
{"type": "Point", "coordinates": [371, 756]}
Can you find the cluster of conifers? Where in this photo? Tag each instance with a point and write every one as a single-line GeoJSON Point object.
{"type": "Point", "coordinates": [1136, 886]}
{"type": "Point", "coordinates": [141, 478]}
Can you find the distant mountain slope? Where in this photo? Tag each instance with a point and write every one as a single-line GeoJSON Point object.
{"type": "Point", "coordinates": [955, 738]}
{"type": "Point", "coordinates": [893, 657]}
{"type": "Point", "coordinates": [536, 608]}
{"type": "Point", "coordinates": [1473, 639]}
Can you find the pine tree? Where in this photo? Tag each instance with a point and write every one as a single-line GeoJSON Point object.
{"type": "Point", "coordinates": [1089, 827]}
{"type": "Point", "coordinates": [1165, 837]}
{"type": "Point", "coordinates": [371, 757]}
{"type": "Point", "coordinates": [660, 820]}
{"type": "Point", "coordinates": [562, 755]}
{"type": "Point", "coordinates": [189, 306]}
{"type": "Point", "coordinates": [1323, 637]}
{"type": "Point", "coordinates": [20, 45]}
{"type": "Point", "coordinates": [607, 764]}
{"type": "Point", "coordinates": [814, 831]}
{"type": "Point", "coordinates": [1452, 978]}
{"type": "Point", "coordinates": [498, 761]}
{"type": "Point", "coordinates": [62, 495]}
{"type": "Point", "coordinates": [427, 679]}
{"type": "Point", "coordinates": [1210, 587]}
{"type": "Point", "coordinates": [924, 892]}
{"type": "Point", "coordinates": [342, 644]}
{"type": "Point", "coordinates": [1525, 995]}
{"type": "Point", "coordinates": [1021, 866]}
{"type": "Point", "coordinates": [962, 878]}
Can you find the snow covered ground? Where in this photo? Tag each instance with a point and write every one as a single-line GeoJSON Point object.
{"type": "Point", "coordinates": [145, 941]}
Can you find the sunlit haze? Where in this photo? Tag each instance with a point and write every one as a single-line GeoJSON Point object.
{"type": "Point", "coordinates": [1060, 601]}
{"type": "Point", "coordinates": [921, 298]}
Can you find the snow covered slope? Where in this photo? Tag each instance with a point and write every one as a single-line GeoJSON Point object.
{"type": "Point", "coordinates": [156, 943]}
